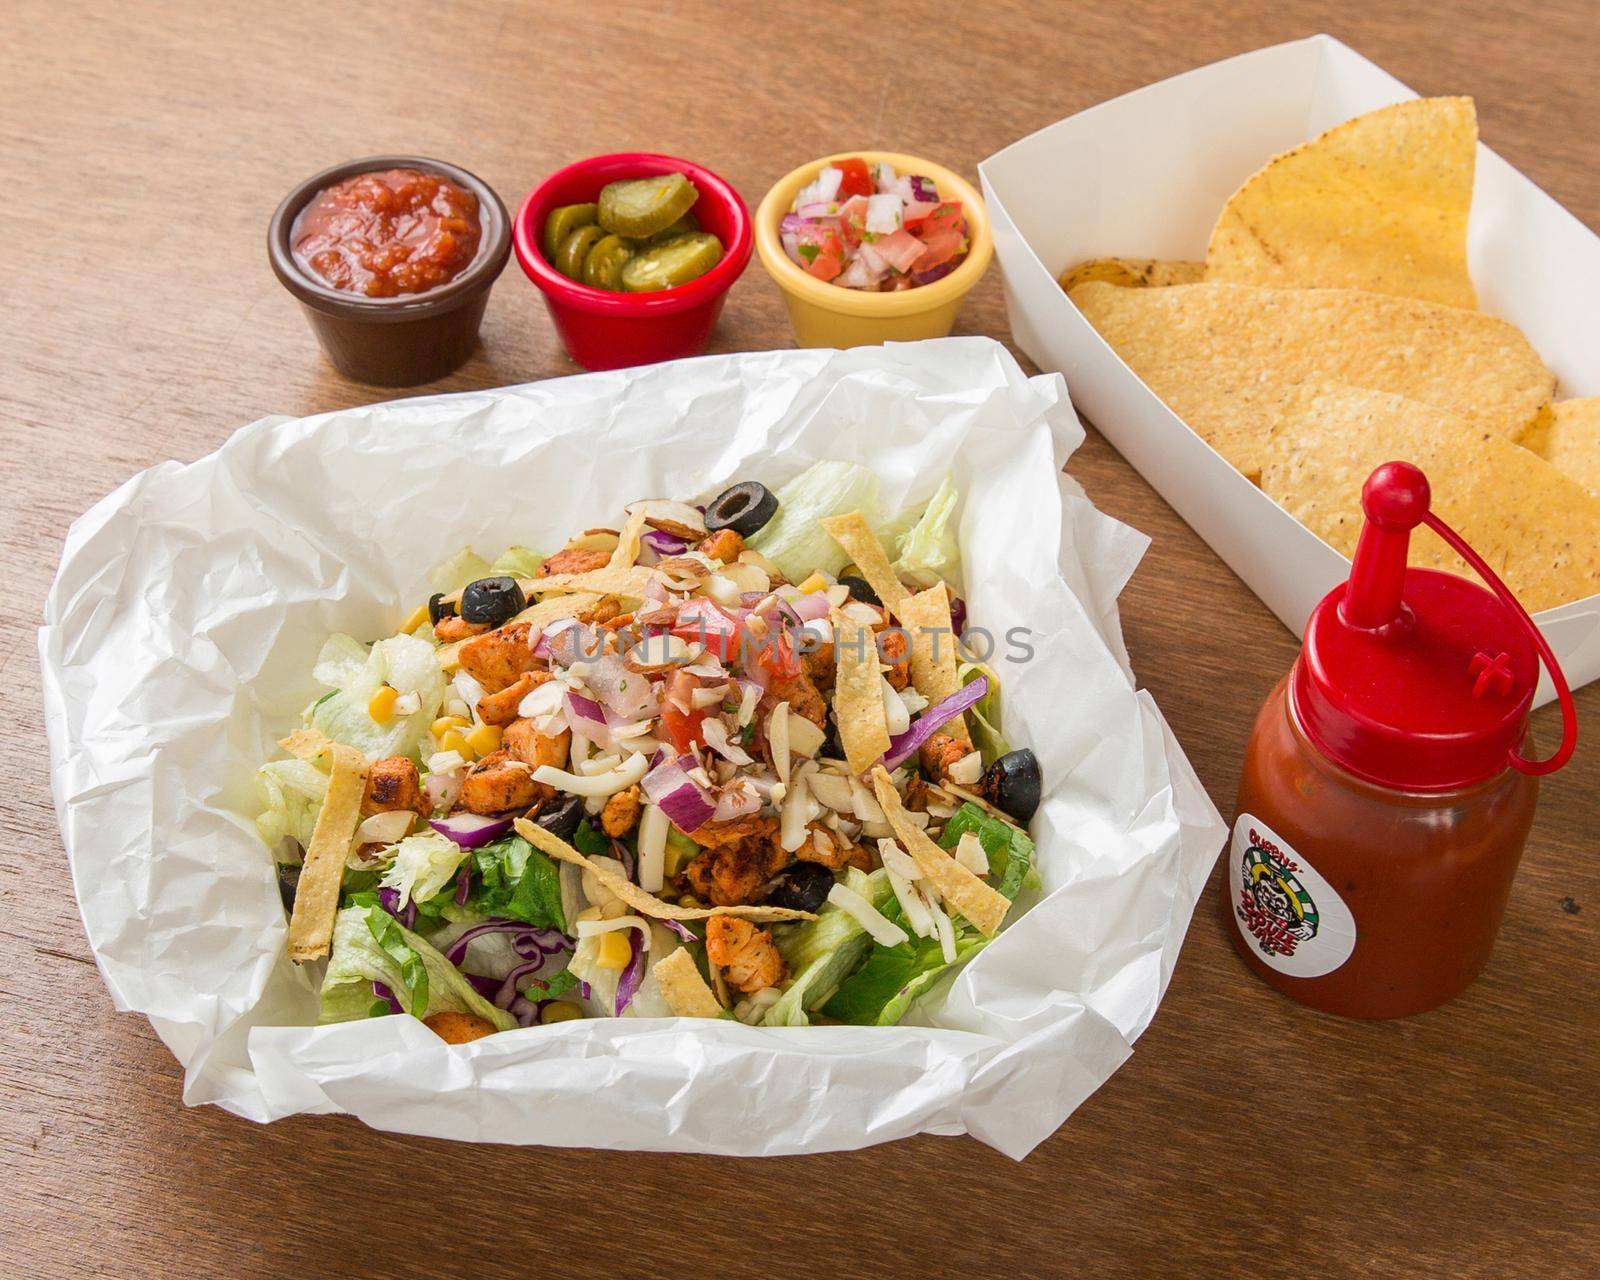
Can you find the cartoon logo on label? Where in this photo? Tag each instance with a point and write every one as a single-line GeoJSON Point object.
{"type": "Point", "coordinates": [1286, 911]}
{"type": "Point", "coordinates": [1274, 906]}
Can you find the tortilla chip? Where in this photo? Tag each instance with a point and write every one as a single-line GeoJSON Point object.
{"type": "Point", "coordinates": [683, 988]}
{"type": "Point", "coordinates": [854, 534]}
{"type": "Point", "coordinates": [962, 891]}
{"type": "Point", "coordinates": [613, 580]}
{"type": "Point", "coordinates": [926, 618]}
{"type": "Point", "coordinates": [316, 899]}
{"type": "Point", "coordinates": [1377, 203]}
{"type": "Point", "coordinates": [627, 549]}
{"type": "Point", "coordinates": [1133, 273]}
{"type": "Point", "coordinates": [1539, 529]}
{"type": "Point", "coordinates": [858, 693]}
{"type": "Point", "coordinates": [646, 904]}
{"type": "Point", "coordinates": [1570, 441]}
{"type": "Point", "coordinates": [1227, 336]}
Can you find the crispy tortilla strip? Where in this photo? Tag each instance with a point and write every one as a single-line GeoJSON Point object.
{"type": "Point", "coordinates": [984, 906]}
{"type": "Point", "coordinates": [316, 900]}
{"type": "Point", "coordinates": [627, 580]}
{"type": "Point", "coordinates": [627, 550]}
{"type": "Point", "coordinates": [854, 534]}
{"type": "Point", "coordinates": [926, 616]}
{"type": "Point", "coordinates": [646, 904]}
{"type": "Point", "coordinates": [1538, 528]}
{"type": "Point", "coordinates": [1228, 336]}
{"type": "Point", "coordinates": [1377, 203]}
{"type": "Point", "coordinates": [1133, 273]}
{"type": "Point", "coordinates": [1570, 441]}
{"type": "Point", "coordinates": [858, 693]}
{"type": "Point", "coordinates": [683, 988]}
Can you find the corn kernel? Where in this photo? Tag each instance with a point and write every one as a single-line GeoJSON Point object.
{"type": "Point", "coordinates": [485, 738]}
{"type": "Point", "coordinates": [560, 1011]}
{"type": "Point", "coordinates": [381, 705]}
{"type": "Point", "coordinates": [419, 615]}
{"type": "Point", "coordinates": [816, 582]}
{"type": "Point", "coordinates": [455, 740]}
{"type": "Point", "coordinates": [615, 950]}
{"type": "Point", "coordinates": [444, 724]}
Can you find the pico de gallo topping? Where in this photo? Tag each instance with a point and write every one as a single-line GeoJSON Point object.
{"type": "Point", "coordinates": [864, 226]}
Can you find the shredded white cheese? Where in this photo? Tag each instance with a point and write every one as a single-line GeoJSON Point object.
{"type": "Point", "coordinates": [884, 932]}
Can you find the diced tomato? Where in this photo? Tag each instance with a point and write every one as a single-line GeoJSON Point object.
{"type": "Point", "coordinates": [900, 249]}
{"type": "Point", "coordinates": [820, 248]}
{"type": "Point", "coordinates": [857, 181]}
{"type": "Point", "coordinates": [853, 220]}
{"type": "Point", "coordinates": [682, 727]}
{"type": "Point", "coordinates": [944, 217]}
{"type": "Point", "coordinates": [702, 622]}
{"type": "Point", "coordinates": [918, 212]}
{"type": "Point", "coordinates": [776, 656]}
{"type": "Point", "coordinates": [939, 247]}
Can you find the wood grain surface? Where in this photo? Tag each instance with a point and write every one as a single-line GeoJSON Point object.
{"type": "Point", "coordinates": [145, 145]}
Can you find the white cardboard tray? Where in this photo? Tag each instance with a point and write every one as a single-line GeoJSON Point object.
{"type": "Point", "coordinates": [1145, 176]}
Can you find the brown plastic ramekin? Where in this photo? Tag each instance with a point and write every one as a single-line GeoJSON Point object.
{"type": "Point", "coordinates": [401, 341]}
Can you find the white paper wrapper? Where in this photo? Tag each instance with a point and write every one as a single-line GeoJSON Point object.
{"type": "Point", "coordinates": [189, 607]}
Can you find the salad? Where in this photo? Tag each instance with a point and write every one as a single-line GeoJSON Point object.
{"type": "Point", "coordinates": [722, 761]}
{"type": "Point", "coordinates": [863, 226]}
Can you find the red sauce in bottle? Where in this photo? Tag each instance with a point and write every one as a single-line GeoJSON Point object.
{"type": "Point", "coordinates": [1385, 800]}
{"type": "Point", "coordinates": [387, 233]}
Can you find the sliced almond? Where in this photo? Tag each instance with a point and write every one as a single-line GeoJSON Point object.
{"type": "Point", "coordinates": [661, 653]}
{"type": "Point", "coordinates": [677, 518]}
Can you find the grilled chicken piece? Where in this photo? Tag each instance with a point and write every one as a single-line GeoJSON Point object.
{"type": "Point", "coordinates": [621, 813]}
{"type": "Point", "coordinates": [833, 851]}
{"type": "Point", "coordinates": [573, 561]}
{"type": "Point", "coordinates": [448, 630]}
{"type": "Point", "coordinates": [747, 956]}
{"type": "Point", "coordinates": [939, 753]}
{"type": "Point", "coordinates": [724, 545]}
{"type": "Point", "coordinates": [458, 1028]}
{"type": "Point", "coordinates": [894, 650]}
{"type": "Point", "coordinates": [741, 856]}
{"type": "Point", "coordinates": [392, 783]}
{"type": "Point", "coordinates": [501, 708]}
{"type": "Point", "coordinates": [802, 697]}
{"type": "Point", "coordinates": [497, 658]}
{"type": "Point", "coordinates": [527, 744]}
{"type": "Point", "coordinates": [499, 783]}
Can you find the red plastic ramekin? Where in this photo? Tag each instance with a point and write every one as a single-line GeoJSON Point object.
{"type": "Point", "coordinates": [605, 330]}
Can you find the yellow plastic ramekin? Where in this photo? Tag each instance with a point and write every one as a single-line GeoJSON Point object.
{"type": "Point", "coordinates": [829, 315]}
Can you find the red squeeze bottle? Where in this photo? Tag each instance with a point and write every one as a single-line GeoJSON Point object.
{"type": "Point", "coordinates": [1385, 798]}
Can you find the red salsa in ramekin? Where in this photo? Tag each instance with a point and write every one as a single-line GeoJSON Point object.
{"type": "Point", "coordinates": [390, 232]}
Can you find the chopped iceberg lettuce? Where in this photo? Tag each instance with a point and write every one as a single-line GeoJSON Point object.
{"type": "Point", "coordinates": [408, 664]}
{"type": "Point", "coordinates": [517, 562]}
{"type": "Point", "coordinates": [423, 864]}
{"type": "Point", "coordinates": [929, 553]}
{"type": "Point", "coordinates": [291, 797]}
{"type": "Point", "coordinates": [793, 540]}
{"type": "Point", "coordinates": [341, 661]}
{"type": "Point", "coordinates": [463, 567]}
{"type": "Point", "coordinates": [370, 945]}
{"type": "Point", "coordinates": [983, 717]}
{"type": "Point", "coordinates": [821, 953]}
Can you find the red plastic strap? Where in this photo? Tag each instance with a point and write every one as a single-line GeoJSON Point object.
{"type": "Point", "coordinates": [1569, 712]}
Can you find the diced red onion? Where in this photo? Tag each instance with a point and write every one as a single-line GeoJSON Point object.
{"type": "Point", "coordinates": [675, 793]}
{"type": "Point", "coordinates": [633, 975]}
{"type": "Point", "coordinates": [902, 746]}
{"type": "Point", "coordinates": [588, 717]}
{"type": "Point", "coordinates": [443, 788]}
{"type": "Point", "coordinates": [736, 800]}
{"type": "Point", "coordinates": [883, 213]}
{"type": "Point", "coordinates": [811, 606]}
{"type": "Point", "coordinates": [464, 885]}
{"type": "Point", "coordinates": [663, 543]}
{"type": "Point", "coordinates": [924, 189]}
{"type": "Point", "coordinates": [626, 692]}
{"type": "Point", "coordinates": [471, 830]}
{"type": "Point", "coordinates": [818, 210]}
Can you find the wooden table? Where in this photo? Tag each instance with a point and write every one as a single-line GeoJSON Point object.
{"type": "Point", "coordinates": [146, 146]}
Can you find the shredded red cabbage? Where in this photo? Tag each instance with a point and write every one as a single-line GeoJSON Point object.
{"type": "Point", "coordinates": [527, 940]}
{"type": "Point", "coordinates": [633, 975]}
{"type": "Point", "coordinates": [930, 721]}
{"type": "Point", "coordinates": [663, 543]}
{"type": "Point", "coordinates": [383, 993]}
{"type": "Point", "coordinates": [390, 899]}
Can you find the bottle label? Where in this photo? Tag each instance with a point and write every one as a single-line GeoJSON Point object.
{"type": "Point", "coordinates": [1292, 916]}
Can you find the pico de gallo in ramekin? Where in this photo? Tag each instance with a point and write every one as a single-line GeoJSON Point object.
{"type": "Point", "coordinates": [865, 226]}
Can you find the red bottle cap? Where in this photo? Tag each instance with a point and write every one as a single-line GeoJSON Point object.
{"type": "Point", "coordinates": [1415, 679]}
